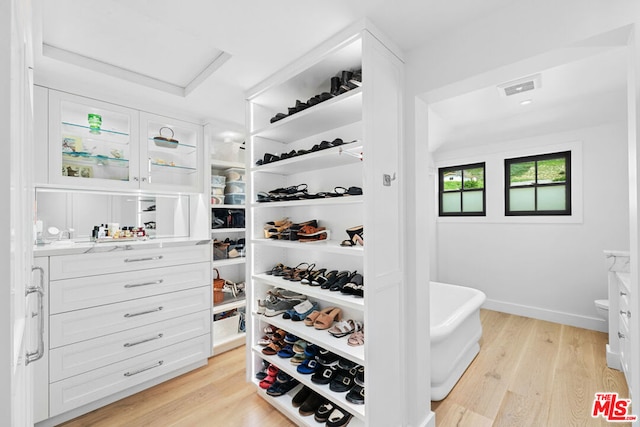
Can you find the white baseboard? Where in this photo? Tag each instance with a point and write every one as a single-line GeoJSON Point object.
{"type": "Point", "coordinates": [577, 320]}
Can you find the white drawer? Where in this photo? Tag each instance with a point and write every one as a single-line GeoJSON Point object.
{"type": "Point", "coordinates": [88, 387]}
{"type": "Point", "coordinates": [93, 264]}
{"type": "Point", "coordinates": [84, 292]}
{"type": "Point", "coordinates": [70, 327]}
{"type": "Point", "coordinates": [85, 356]}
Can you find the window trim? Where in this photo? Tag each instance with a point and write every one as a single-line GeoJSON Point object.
{"type": "Point", "coordinates": [536, 158]}
{"type": "Point", "coordinates": [441, 192]}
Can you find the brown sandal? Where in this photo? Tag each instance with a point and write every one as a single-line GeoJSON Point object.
{"type": "Point", "coordinates": [326, 318]}
{"type": "Point", "coordinates": [311, 318]}
{"type": "Point", "coordinates": [273, 348]}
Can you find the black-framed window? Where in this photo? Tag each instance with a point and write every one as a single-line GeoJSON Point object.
{"type": "Point", "coordinates": [538, 185]}
{"type": "Point", "coordinates": [462, 190]}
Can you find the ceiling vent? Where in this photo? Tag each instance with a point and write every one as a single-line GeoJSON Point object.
{"type": "Point", "coordinates": [522, 85]}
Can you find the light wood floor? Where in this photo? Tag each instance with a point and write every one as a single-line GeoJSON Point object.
{"type": "Point", "coordinates": [529, 373]}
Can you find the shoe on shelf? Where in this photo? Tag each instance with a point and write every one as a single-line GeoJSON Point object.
{"type": "Point", "coordinates": [356, 236]}
{"type": "Point", "coordinates": [338, 418]}
{"type": "Point", "coordinates": [311, 404]}
{"type": "Point", "coordinates": [302, 395]}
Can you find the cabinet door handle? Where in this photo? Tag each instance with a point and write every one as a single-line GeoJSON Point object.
{"type": "Point", "coordinates": [151, 258]}
{"type": "Point", "coordinates": [622, 293]}
{"type": "Point", "coordinates": [39, 291]}
{"type": "Point", "coordinates": [627, 313]}
{"type": "Point", "coordinates": [621, 335]}
{"type": "Point", "coordinates": [131, 344]}
{"type": "Point", "coordinates": [135, 285]}
{"type": "Point", "coordinates": [155, 365]}
{"type": "Point", "coordinates": [143, 312]}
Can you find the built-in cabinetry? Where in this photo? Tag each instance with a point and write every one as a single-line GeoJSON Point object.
{"type": "Point", "coordinates": [619, 354]}
{"type": "Point", "coordinates": [98, 145]}
{"type": "Point", "coordinates": [368, 120]}
{"type": "Point", "coordinates": [229, 259]}
{"type": "Point", "coordinates": [120, 318]}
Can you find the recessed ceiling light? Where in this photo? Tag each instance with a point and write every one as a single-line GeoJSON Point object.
{"type": "Point", "coordinates": [526, 102]}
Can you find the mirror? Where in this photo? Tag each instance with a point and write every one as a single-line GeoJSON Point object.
{"type": "Point", "coordinates": [161, 215]}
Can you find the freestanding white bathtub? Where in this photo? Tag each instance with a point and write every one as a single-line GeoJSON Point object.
{"type": "Point", "coordinates": [455, 332]}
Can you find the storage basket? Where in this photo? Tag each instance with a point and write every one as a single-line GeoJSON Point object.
{"type": "Point", "coordinates": [234, 174]}
{"type": "Point", "coordinates": [226, 327]}
{"type": "Point", "coordinates": [234, 199]}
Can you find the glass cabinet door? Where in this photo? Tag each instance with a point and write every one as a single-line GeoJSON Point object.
{"type": "Point", "coordinates": [172, 153]}
{"type": "Point", "coordinates": [92, 143]}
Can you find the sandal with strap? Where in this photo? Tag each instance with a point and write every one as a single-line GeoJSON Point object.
{"type": "Point", "coordinates": [313, 316]}
{"type": "Point", "coordinates": [356, 338]}
{"type": "Point", "coordinates": [325, 319]}
{"type": "Point", "coordinates": [344, 328]}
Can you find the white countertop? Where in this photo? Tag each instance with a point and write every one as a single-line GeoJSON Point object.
{"type": "Point", "coordinates": [81, 247]}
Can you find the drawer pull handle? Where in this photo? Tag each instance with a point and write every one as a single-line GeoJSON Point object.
{"type": "Point", "coordinates": [131, 344]}
{"type": "Point", "coordinates": [143, 312]}
{"type": "Point", "coordinates": [627, 313]}
{"type": "Point", "coordinates": [135, 285]}
{"type": "Point", "coordinates": [151, 258]}
{"type": "Point", "coordinates": [622, 294]}
{"type": "Point", "coordinates": [156, 365]}
{"type": "Point", "coordinates": [621, 335]}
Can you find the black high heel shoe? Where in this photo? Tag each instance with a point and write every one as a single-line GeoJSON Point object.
{"type": "Point", "coordinates": [341, 282]}
{"type": "Point", "coordinates": [356, 236]}
{"type": "Point", "coordinates": [334, 278]}
{"type": "Point", "coordinates": [312, 275]}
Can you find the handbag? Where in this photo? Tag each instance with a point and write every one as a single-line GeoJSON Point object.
{"type": "Point", "coordinates": [218, 284]}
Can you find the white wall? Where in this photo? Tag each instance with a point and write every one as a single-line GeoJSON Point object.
{"type": "Point", "coordinates": [550, 268]}
{"type": "Point", "coordinates": [526, 35]}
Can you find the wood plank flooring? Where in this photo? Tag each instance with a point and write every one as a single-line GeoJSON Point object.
{"type": "Point", "coordinates": [529, 373]}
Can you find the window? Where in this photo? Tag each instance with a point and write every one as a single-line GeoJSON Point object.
{"type": "Point", "coordinates": [538, 185]}
{"type": "Point", "coordinates": [461, 190]}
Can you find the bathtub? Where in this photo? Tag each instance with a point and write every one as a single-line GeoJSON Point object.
{"type": "Point", "coordinates": [455, 332]}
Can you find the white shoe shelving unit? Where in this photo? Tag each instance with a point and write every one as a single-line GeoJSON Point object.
{"type": "Point", "coordinates": [369, 118]}
{"type": "Point", "coordinates": [226, 333]}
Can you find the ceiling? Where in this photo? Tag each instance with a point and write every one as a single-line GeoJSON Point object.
{"type": "Point", "coordinates": [195, 59]}
{"type": "Point", "coordinates": [585, 92]}
{"type": "Point", "coordinates": [145, 53]}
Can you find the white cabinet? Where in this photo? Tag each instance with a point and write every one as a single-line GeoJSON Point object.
{"type": "Point", "coordinates": [119, 320]}
{"type": "Point", "coordinates": [98, 145]}
{"type": "Point", "coordinates": [369, 120]}
{"type": "Point", "coordinates": [619, 348]}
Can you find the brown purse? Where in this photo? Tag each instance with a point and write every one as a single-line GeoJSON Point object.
{"type": "Point", "coordinates": [218, 284]}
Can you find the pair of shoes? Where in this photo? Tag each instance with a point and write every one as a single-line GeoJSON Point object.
{"type": "Point", "coordinates": [309, 233]}
{"type": "Point", "coordinates": [301, 311]}
{"type": "Point", "coordinates": [356, 394]}
{"type": "Point", "coordinates": [356, 338]}
{"type": "Point", "coordinates": [346, 81]}
{"type": "Point", "coordinates": [355, 286]}
{"type": "Point", "coordinates": [281, 306]}
{"type": "Point", "coordinates": [324, 318]}
{"type": "Point", "coordinates": [356, 236]}
{"type": "Point", "coordinates": [270, 378]}
{"type": "Point", "coordinates": [310, 401]}
{"type": "Point", "coordinates": [345, 376]}
{"type": "Point", "coordinates": [345, 327]}
{"type": "Point", "coordinates": [284, 383]}
{"type": "Point", "coordinates": [332, 415]}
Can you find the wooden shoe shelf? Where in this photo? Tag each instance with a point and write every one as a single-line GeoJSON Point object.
{"type": "Point", "coordinates": [369, 119]}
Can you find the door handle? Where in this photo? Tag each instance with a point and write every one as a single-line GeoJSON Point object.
{"type": "Point", "coordinates": [135, 285]}
{"type": "Point", "coordinates": [39, 291]}
{"type": "Point", "coordinates": [151, 258]}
